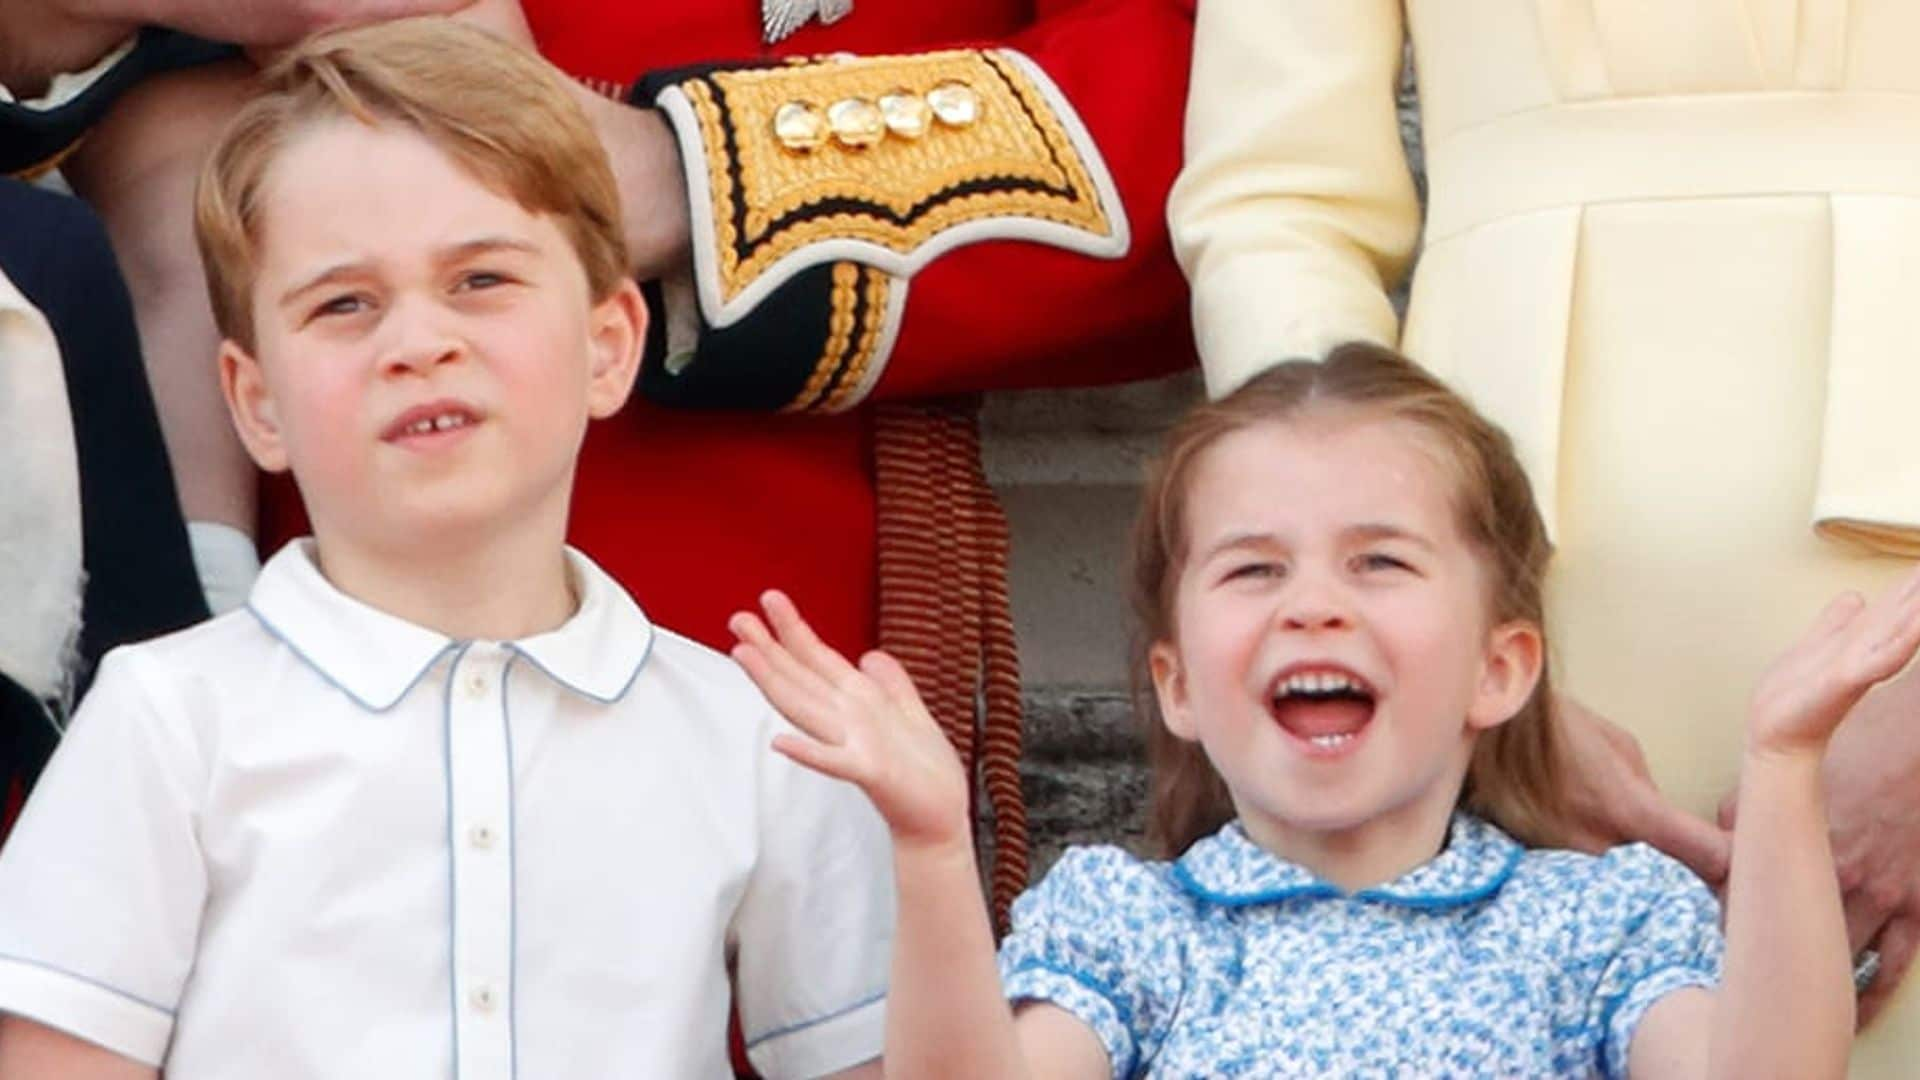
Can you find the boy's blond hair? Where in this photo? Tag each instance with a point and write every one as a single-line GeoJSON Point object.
{"type": "Point", "coordinates": [504, 115]}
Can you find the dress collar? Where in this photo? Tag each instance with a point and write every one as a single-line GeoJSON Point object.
{"type": "Point", "coordinates": [1229, 869]}
{"type": "Point", "coordinates": [376, 658]}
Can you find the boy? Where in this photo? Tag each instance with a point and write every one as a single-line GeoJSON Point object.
{"type": "Point", "coordinates": [440, 800]}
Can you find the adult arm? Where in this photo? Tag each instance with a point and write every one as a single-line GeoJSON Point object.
{"type": "Point", "coordinates": [1296, 211]}
{"type": "Point", "coordinates": [1024, 248]}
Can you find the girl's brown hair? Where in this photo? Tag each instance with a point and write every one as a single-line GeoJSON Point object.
{"type": "Point", "coordinates": [503, 114]}
{"type": "Point", "coordinates": [1513, 777]}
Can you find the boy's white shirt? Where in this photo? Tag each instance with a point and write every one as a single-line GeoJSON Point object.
{"type": "Point", "coordinates": [311, 839]}
{"type": "Point", "coordinates": [40, 565]}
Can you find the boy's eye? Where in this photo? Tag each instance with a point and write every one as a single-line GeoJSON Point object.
{"type": "Point", "coordinates": [341, 305]}
{"type": "Point", "coordinates": [481, 279]}
{"type": "Point", "coordinates": [1253, 571]}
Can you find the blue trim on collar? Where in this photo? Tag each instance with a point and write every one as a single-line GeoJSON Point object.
{"type": "Point", "coordinates": [632, 677]}
{"type": "Point", "coordinates": [1229, 870]}
{"type": "Point", "coordinates": [327, 676]}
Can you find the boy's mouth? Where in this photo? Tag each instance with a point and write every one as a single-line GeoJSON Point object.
{"type": "Point", "coordinates": [435, 418]}
{"type": "Point", "coordinates": [1325, 706]}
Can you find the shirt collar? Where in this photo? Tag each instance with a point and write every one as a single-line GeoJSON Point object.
{"type": "Point", "coordinates": [376, 658]}
{"type": "Point", "coordinates": [1228, 868]}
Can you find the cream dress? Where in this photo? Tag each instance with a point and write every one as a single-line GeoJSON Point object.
{"type": "Point", "coordinates": [1673, 246]}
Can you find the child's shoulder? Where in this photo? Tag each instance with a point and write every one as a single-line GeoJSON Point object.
{"type": "Point", "coordinates": [1104, 880]}
{"type": "Point", "coordinates": [1626, 868]}
{"type": "Point", "coordinates": [1605, 896]}
{"type": "Point", "coordinates": [215, 647]}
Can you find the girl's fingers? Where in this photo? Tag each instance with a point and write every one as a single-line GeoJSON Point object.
{"type": "Point", "coordinates": [798, 636]}
{"type": "Point", "coordinates": [893, 679]}
{"type": "Point", "coordinates": [797, 703]}
{"type": "Point", "coordinates": [749, 629]}
{"type": "Point", "coordinates": [821, 758]}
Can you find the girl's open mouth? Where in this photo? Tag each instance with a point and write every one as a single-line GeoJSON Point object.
{"type": "Point", "coordinates": [1326, 708]}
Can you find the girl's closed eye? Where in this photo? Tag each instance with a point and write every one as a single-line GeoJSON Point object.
{"type": "Point", "coordinates": [1380, 562]}
{"type": "Point", "coordinates": [1253, 571]}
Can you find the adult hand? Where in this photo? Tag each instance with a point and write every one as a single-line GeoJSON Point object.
{"type": "Point", "coordinates": [1872, 775]}
{"type": "Point", "coordinates": [268, 23]}
{"type": "Point", "coordinates": [1613, 799]}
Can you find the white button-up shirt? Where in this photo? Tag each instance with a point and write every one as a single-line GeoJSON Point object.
{"type": "Point", "coordinates": [309, 839]}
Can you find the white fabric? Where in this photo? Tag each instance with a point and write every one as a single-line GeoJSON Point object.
{"type": "Point", "coordinates": [225, 561]}
{"type": "Point", "coordinates": [40, 573]}
{"type": "Point", "coordinates": [308, 839]}
{"type": "Point", "coordinates": [68, 85]}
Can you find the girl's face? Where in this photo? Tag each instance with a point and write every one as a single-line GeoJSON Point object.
{"type": "Point", "coordinates": [1333, 652]}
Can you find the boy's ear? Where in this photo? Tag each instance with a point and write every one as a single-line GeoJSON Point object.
{"type": "Point", "coordinates": [617, 331]}
{"type": "Point", "coordinates": [1170, 688]}
{"type": "Point", "coordinates": [1515, 654]}
{"type": "Point", "coordinates": [252, 407]}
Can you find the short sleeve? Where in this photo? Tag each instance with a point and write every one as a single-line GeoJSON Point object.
{"type": "Point", "coordinates": [1659, 931]}
{"type": "Point", "coordinates": [102, 882]}
{"type": "Point", "coordinates": [1094, 938]}
{"type": "Point", "coordinates": [814, 931]}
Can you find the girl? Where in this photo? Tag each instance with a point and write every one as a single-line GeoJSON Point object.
{"type": "Point", "coordinates": [1339, 569]}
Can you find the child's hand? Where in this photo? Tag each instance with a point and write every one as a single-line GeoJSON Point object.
{"type": "Point", "coordinates": [1852, 646]}
{"type": "Point", "coordinates": [865, 725]}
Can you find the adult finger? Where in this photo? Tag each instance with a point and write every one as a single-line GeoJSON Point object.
{"type": "Point", "coordinates": [1897, 945]}
{"type": "Point", "coordinates": [1868, 911]}
{"type": "Point", "coordinates": [1728, 813]}
{"type": "Point", "coordinates": [1705, 848]}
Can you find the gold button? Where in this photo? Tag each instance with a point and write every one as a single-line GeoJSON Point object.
{"type": "Point", "coordinates": [907, 114]}
{"type": "Point", "coordinates": [856, 122]}
{"type": "Point", "coordinates": [799, 126]}
{"type": "Point", "coordinates": [954, 103]}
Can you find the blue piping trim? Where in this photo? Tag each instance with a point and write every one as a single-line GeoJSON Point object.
{"type": "Point", "coordinates": [453, 896]}
{"type": "Point", "coordinates": [514, 648]}
{"type": "Point", "coordinates": [818, 1020]}
{"type": "Point", "coordinates": [1120, 1010]}
{"type": "Point", "coordinates": [1316, 890]}
{"type": "Point", "coordinates": [89, 980]}
{"type": "Point", "coordinates": [328, 677]}
{"type": "Point", "coordinates": [1441, 900]}
{"type": "Point", "coordinates": [1323, 890]}
{"type": "Point", "coordinates": [513, 882]}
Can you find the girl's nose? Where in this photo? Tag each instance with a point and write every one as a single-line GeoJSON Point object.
{"type": "Point", "coordinates": [1313, 605]}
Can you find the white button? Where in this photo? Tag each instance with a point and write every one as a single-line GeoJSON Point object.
{"type": "Point", "coordinates": [481, 998]}
{"type": "Point", "coordinates": [476, 685]}
{"type": "Point", "coordinates": [481, 837]}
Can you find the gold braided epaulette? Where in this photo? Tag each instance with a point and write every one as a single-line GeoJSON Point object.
{"type": "Point", "coordinates": [888, 161]}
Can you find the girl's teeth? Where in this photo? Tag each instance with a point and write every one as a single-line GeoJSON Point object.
{"type": "Point", "coordinates": [1329, 742]}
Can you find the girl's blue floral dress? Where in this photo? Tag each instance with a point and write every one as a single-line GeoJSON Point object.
{"type": "Point", "coordinates": [1490, 960]}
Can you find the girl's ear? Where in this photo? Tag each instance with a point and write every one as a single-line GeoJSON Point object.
{"type": "Point", "coordinates": [251, 403]}
{"type": "Point", "coordinates": [1515, 654]}
{"type": "Point", "coordinates": [1170, 688]}
{"type": "Point", "coordinates": [617, 331]}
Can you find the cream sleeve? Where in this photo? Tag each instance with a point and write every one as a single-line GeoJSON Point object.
{"type": "Point", "coordinates": [1295, 211]}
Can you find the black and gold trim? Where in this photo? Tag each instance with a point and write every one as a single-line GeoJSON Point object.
{"type": "Point", "coordinates": [1015, 165]}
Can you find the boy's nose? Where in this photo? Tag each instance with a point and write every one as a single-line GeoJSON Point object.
{"type": "Point", "coordinates": [417, 342]}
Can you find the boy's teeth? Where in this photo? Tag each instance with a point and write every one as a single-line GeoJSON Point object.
{"type": "Point", "coordinates": [443, 422]}
{"type": "Point", "coordinates": [1316, 682]}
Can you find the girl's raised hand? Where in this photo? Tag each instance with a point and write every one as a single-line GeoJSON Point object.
{"type": "Point", "coordinates": [1851, 647]}
{"type": "Point", "coordinates": [865, 725]}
